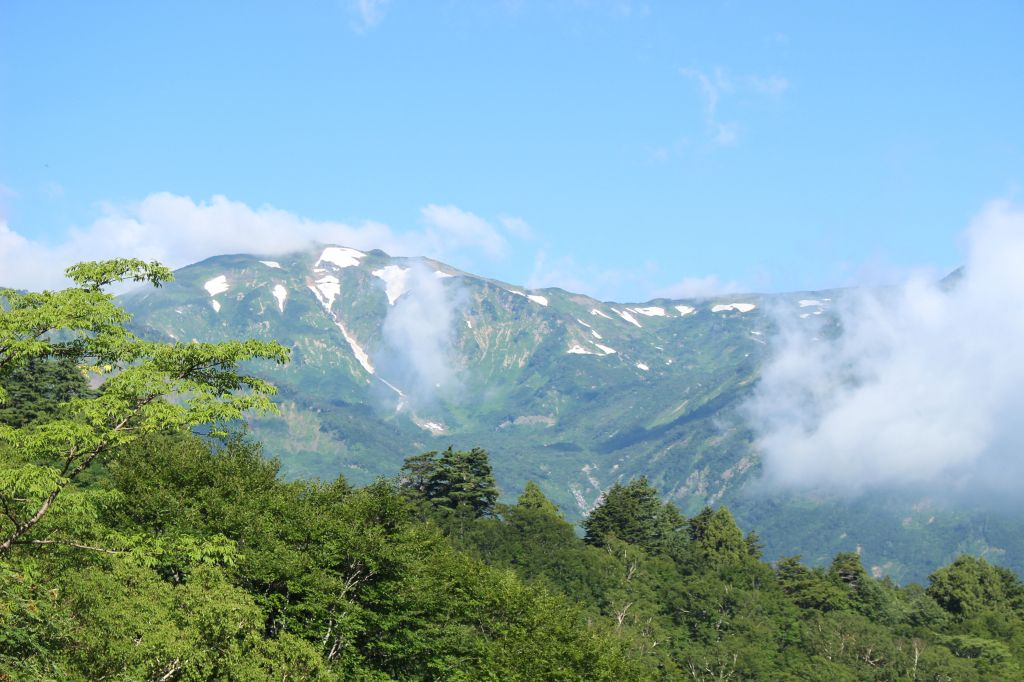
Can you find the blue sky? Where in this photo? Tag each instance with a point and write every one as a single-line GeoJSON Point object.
{"type": "Point", "coordinates": [625, 149]}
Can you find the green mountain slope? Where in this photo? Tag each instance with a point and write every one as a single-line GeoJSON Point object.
{"type": "Point", "coordinates": [394, 356]}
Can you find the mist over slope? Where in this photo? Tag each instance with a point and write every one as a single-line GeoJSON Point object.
{"type": "Point", "coordinates": [922, 389]}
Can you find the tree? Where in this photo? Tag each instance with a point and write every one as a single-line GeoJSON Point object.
{"type": "Point", "coordinates": [452, 480]}
{"type": "Point", "coordinates": [533, 499]}
{"type": "Point", "coordinates": [37, 389]}
{"type": "Point", "coordinates": [144, 387]}
{"type": "Point", "coordinates": [632, 513]}
{"type": "Point", "coordinates": [971, 585]}
{"type": "Point", "coordinates": [716, 532]}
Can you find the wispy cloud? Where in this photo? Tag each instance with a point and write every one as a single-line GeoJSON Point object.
{"type": "Point", "coordinates": [368, 13]}
{"type": "Point", "coordinates": [768, 85]}
{"type": "Point", "coordinates": [697, 287]}
{"type": "Point", "coordinates": [419, 339]}
{"type": "Point", "coordinates": [716, 85]}
{"type": "Point", "coordinates": [923, 387]}
{"type": "Point", "coordinates": [600, 283]}
{"type": "Point", "coordinates": [452, 227]}
{"type": "Point", "coordinates": [517, 227]}
{"type": "Point", "coordinates": [178, 230]}
{"type": "Point", "coordinates": [712, 86]}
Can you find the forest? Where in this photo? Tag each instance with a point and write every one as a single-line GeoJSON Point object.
{"type": "Point", "coordinates": [144, 536]}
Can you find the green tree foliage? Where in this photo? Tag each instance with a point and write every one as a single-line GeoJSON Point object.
{"type": "Point", "coordinates": [452, 480]}
{"type": "Point", "coordinates": [632, 513]}
{"type": "Point", "coordinates": [82, 325]}
{"type": "Point", "coordinates": [324, 582]}
{"type": "Point", "coordinates": [533, 499]}
{"type": "Point", "coordinates": [37, 388]}
{"type": "Point", "coordinates": [716, 533]}
{"type": "Point", "coordinates": [971, 585]}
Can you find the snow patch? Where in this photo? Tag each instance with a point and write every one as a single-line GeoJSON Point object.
{"type": "Point", "coordinates": [216, 305]}
{"type": "Point", "coordinates": [469, 324]}
{"type": "Point", "coordinates": [340, 256]}
{"type": "Point", "coordinates": [595, 311]}
{"type": "Point", "coordinates": [595, 334]}
{"type": "Point", "coordinates": [577, 349]}
{"type": "Point", "coordinates": [738, 307]}
{"type": "Point", "coordinates": [396, 281]}
{"type": "Point", "coordinates": [581, 502]}
{"type": "Point", "coordinates": [326, 290]}
{"type": "Point", "coordinates": [685, 310]}
{"type": "Point", "coordinates": [280, 293]}
{"type": "Point", "coordinates": [642, 366]}
{"type": "Point", "coordinates": [650, 311]}
{"type": "Point", "coordinates": [536, 298]}
{"type": "Point", "coordinates": [442, 275]}
{"type": "Point", "coordinates": [605, 349]}
{"type": "Point", "coordinates": [807, 302]}
{"type": "Point", "coordinates": [624, 314]}
{"type": "Point", "coordinates": [434, 427]}
{"type": "Point", "coordinates": [271, 264]}
{"type": "Point", "coordinates": [217, 285]}
{"type": "Point", "coordinates": [357, 350]}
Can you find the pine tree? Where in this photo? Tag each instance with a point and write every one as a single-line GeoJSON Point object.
{"type": "Point", "coordinates": [716, 532]}
{"type": "Point", "coordinates": [453, 480]}
{"type": "Point", "coordinates": [632, 513]}
{"type": "Point", "coordinates": [534, 499]}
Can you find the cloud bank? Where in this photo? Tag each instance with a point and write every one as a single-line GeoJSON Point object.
{"type": "Point", "coordinates": [177, 230]}
{"type": "Point", "coordinates": [923, 388]}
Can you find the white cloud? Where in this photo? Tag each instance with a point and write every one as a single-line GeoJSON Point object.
{"type": "Point", "coordinates": [452, 225]}
{"type": "Point", "coordinates": [517, 227]}
{"type": "Point", "coordinates": [177, 230]}
{"type": "Point", "coordinates": [697, 287]}
{"type": "Point", "coordinates": [368, 13]}
{"type": "Point", "coordinates": [925, 386]}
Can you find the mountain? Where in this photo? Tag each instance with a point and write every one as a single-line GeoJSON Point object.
{"type": "Point", "coordinates": [397, 356]}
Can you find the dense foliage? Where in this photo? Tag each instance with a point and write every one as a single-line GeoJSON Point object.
{"type": "Point", "coordinates": [173, 556]}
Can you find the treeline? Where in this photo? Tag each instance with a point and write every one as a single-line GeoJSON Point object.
{"type": "Point", "coordinates": [691, 598]}
{"type": "Point", "coordinates": [133, 549]}
{"type": "Point", "coordinates": [194, 560]}
{"type": "Point", "coordinates": [228, 572]}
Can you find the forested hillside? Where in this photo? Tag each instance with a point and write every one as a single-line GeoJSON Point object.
{"type": "Point", "coordinates": [201, 563]}
{"type": "Point", "coordinates": [391, 356]}
{"type": "Point", "coordinates": [134, 548]}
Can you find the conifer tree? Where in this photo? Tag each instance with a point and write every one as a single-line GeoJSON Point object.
{"type": "Point", "coordinates": [632, 513]}
{"type": "Point", "coordinates": [534, 499]}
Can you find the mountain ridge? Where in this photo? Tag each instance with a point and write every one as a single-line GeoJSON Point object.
{"type": "Point", "coordinates": [398, 355]}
